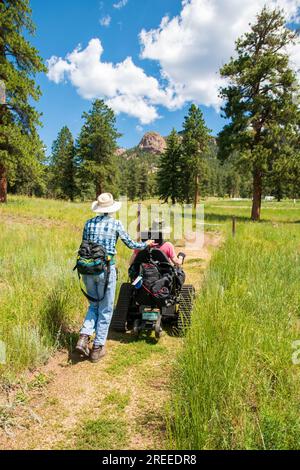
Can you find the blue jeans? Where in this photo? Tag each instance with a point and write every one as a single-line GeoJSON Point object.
{"type": "Point", "coordinates": [99, 314]}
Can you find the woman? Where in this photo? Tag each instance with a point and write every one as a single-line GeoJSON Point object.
{"type": "Point", "coordinates": [104, 230]}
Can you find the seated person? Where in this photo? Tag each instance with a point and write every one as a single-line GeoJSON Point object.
{"type": "Point", "coordinates": [158, 227]}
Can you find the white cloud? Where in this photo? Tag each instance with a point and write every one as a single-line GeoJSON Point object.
{"type": "Point", "coordinates": [134, 106]}
{"type": "Point", "coordinates": [120, 4]}
{"type": "Point", "coordinates": [139, 128]}
{"type": "Point", "coordinates": [192, 46]}
{"type": "Point", "coordinates": [125, 86]}
{"type": "Point", "coordinates": [105, 20]}
{"type": "Point", "coordinates": [57, 68]}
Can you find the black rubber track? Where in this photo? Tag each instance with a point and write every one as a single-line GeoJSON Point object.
{"type": "Point", "coordinates": [186, 301]}
{"type": "Point", "coordinates": [119, 318]}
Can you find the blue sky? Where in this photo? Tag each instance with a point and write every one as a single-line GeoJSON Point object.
{"type": "Point", "coordinates": [178, 61]}
{"type": "Point", "coordinates": [63, 24]}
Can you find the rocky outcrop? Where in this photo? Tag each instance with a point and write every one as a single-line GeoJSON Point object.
{"type": "Point", "coordinates": [152, 142]}
{"type": "Point", "coordinates": [120, 151]}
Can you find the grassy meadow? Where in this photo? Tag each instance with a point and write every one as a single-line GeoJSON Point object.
{"type": "Point", "coordinates": [234, 385]}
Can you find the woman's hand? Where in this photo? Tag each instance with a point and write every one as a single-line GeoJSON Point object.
{"type": "Point", "coordinates": [150, 242]}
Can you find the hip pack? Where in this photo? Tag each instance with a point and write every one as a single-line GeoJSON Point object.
{"type": "Point", "coordinates": [92, 259]}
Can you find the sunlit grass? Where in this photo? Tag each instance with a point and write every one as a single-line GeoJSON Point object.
{"type": "Point", "coordinates": [215, 209]}
{"type": "Point", "coordinates": [102, 433]}
{"type": "Point", "coordinates": [236, 386]}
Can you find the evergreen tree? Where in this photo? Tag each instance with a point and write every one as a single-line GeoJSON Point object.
{"type": "Point", "coordinates": [138, 174]}
{"type": "Point", "coordinates": [30, 177]}
{"type": "Point", "coordinates": [132, 177]}
{"type": "Point", "coordinates": [96, 148]}
{"type": "Point", "coordinates": [169, 175]}
{"type": "Point", "coordinates": [63, 165]}
{"type": "Point", "coordinates": [260, 102]}
{"type": "Point", "coordinates": [194, 146]}
{"type": "Point", "coordinates": [143, 182]}
{"type": "Point", "coordinates": [19, 62]}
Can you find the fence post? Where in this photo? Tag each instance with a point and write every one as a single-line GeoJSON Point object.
{"type": "Point", "coordinates": [138, 227]}
{"type": "Point", "coordinates": [233, 226]}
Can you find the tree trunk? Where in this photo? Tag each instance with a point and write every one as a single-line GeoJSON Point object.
{"type": "Point", "coordinates": [257, 192]}
{"type": "Point", "coordinates": [98, 188]}
{"type": "Point", "coordinates": [3, 177]}
{"type": "Point", "coordinates": [3, 184]}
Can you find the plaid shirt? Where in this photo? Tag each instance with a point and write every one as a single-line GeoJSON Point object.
{"type": "Point", "coordinates": [105, 231]}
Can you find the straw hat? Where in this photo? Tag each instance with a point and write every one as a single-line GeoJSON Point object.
{"type": "Point", "coordinates": [105, 204]}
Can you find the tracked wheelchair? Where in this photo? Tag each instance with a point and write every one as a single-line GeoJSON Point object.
{"type": "Point", "coordinates": [155, 296]}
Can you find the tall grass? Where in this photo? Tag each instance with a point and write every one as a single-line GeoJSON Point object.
{"type": "Point", "coordinates": [235, 386]}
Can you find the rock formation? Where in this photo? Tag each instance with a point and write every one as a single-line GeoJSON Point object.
{"type": "Point", "coordinates": [152, 142]}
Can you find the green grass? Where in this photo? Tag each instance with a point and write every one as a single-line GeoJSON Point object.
{"type": "Point", "coordinates": [222, 210]}
{"type": "Point", "coordinates": [53, 210]}
{"type": "Point", "coordinates": [235, 386]}
{"type": "Point", "coordinates": [132, 353]}
{"type": "Point", "coordinates": [73, 215]}
{"type": "Point", "coordinates": [106, 431]}
{"type": "Point", "coordinates": [117, 399]}
{"type": "Point", "coordinates": [102, 433]}
{"type": "Point", "coordinates": [39, 294]}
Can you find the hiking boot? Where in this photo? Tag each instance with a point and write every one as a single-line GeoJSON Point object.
{"type": "Point", "coordinates": [97, 353]}
{"type": "Point", "coordinates": [82, 345]}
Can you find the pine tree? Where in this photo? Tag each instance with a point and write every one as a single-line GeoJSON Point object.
{"type": "Point", "coordinates": [138, 174]}
{"type": "Point", "coordinates": [194, 146]}
{"type": "Point", "coordinates": [64, 165]}
{"type": "Point", "coordinates": [132, 178]}
{"type": "Point", "coordinates": [168, 174]}
{"type": "Point", "coordinates": [30, 177]}
{"type": "Point", "coordinates": [260, 102]}
{"type": "Point", "coordinates": [96, 148]}
{"type": "Point", "coordinates": [143, 182]}
{"type": "Point", "coordinates": [19, 62]}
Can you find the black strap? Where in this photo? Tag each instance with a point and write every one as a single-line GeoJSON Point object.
{"type": "Point", "coordinates": [90, 298]}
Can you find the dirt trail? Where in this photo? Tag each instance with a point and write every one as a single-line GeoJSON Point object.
{"type": "Point", "coordinates": [118, 403]}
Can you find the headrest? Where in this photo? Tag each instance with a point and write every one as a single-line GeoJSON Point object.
{"type": "Point", "coordinates": [155, 235]}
